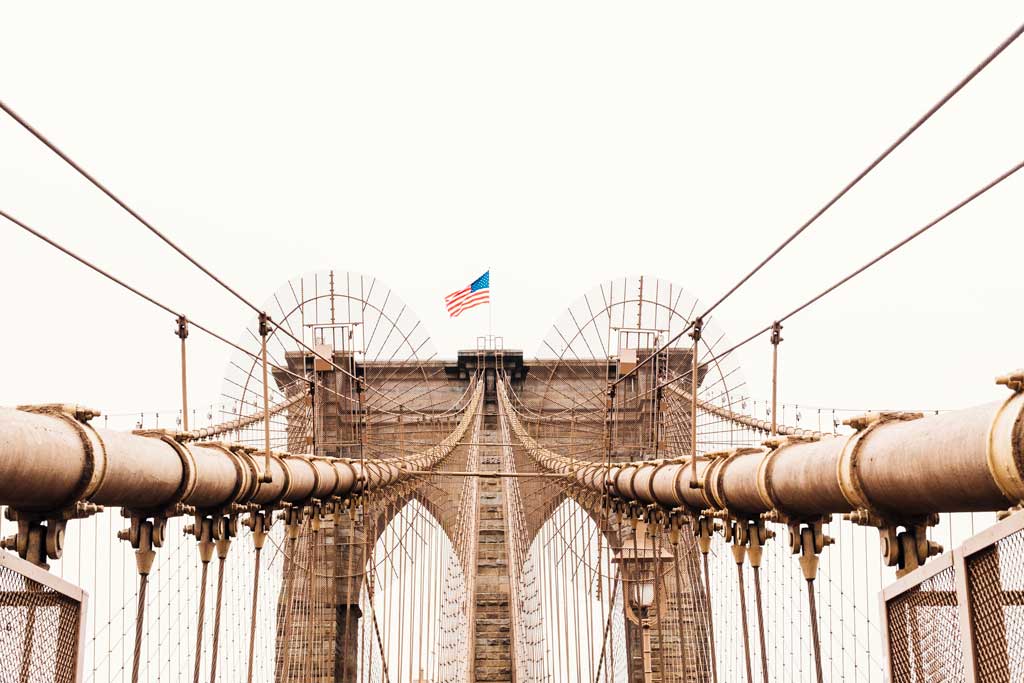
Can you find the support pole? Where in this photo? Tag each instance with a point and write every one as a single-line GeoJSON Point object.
{"type": "Point", "coordinates": [698, 326]}
{"type": "Point", "coordinates": [264, 331]}
{"type": "Point", "coordinates": [776, 338]}
{"type": "Point", "coordinates": [183, 334]}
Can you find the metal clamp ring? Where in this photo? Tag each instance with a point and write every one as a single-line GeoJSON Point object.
{"type": "Point", "coordinates": [679, 488]}
{"type": "Point", "coordinates": [100, 463]}
{"type": "Point", "coordinates": [287, 487]}
{"type": "Point", "coordinates": [92, 474]}
{"type": "Point", "coordinates": [337, 477]}
{"type": "Point", "coordinates": [189, 478]}
{"type": "Point", "coordinates": [245, 454]}
{"type": "Point", "coordinates": [316, 475]}
{"type": "Point", "coordinates": [650, 481]}
{"type": "Point", "coordinates": [764, 477]}
{"type": "Point", "coordinates": [847, 471]}
{"type": "Point", "coordinates": [631, 482]}
{"type": "Point", "coordinates": [1000, 445]}
{"type": "Point", "coordinates": [243, 480]}
{"type": "Point", "coordinates": [711, 483]}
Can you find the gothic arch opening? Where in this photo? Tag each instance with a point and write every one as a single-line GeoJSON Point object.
{"type": "Point", "coordinates": [570, 586]}
{"type": "Point", "coordinates": [414, 602]}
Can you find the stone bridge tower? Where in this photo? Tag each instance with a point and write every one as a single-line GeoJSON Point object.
{"type": "Point", "coordinates": [339, 430]}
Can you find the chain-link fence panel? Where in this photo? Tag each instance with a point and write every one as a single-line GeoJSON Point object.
{"type": "Point", "coordinates": [39, 628]}
{"type": "Point", "coordinates": [924, 632]}
{"type": "Point", "coordinates": [996, 584]}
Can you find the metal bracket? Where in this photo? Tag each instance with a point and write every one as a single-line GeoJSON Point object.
{"type": "Point", "coordinates": [292, 517]}
{"type": "Point", "coordinates": [759, 535]}
{"type": "Point", "coordinates": [213, 532]}
{"type": "Point", "coordinates": [144, 535]}
{"type": "Point", "coordinates": [80, 413]}
{"type": "Point", "coordinates": [704, 530]}
{"type": "Point", "coordinates": [747, 535]}
{"type": "Point", "coordinates": [675, 519]}
{"type": "Point", "coordinates": [1014, 381]}
{"type": "Point", "coordinates": [40, 535]}
{"type": "Point", "coordinates": [906, 550]}
{"type": "Point", "coordinates": [808, 539]}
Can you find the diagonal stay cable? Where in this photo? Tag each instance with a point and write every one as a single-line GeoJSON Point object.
{"type": "Point", "coordinates": [888, 252]}
{"type": "Point", "coordinates": [58, 246]}
{"type": "Point", "coordinates": [146, 297]}
{"type": "Point", "coordinates": [917, 124]}
{"type": "Point", "coordinates": [120, 202]}
{"type": "Point", "coordinates": [839, 195]}
{"type": "Point", "coordinates": [879, 159]}
{"type": "Point", "coordinates": [137, 216]}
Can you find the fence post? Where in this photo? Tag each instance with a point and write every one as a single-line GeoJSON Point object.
{"type": "Point", "coordinates": [963, 603]}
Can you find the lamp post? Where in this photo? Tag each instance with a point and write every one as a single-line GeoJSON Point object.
{"type": "Point", "coordinates": [640, 566]}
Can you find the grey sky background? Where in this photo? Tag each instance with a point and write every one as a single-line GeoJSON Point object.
{"type": "Point", "coordinates": [560, 144]}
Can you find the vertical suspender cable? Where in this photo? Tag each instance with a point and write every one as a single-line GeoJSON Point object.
{"type": "Point", "coordinates": [760, 623]}
{"type": "Point", "coordinates": [743, 613]}
{"type": "Point", "coordinates": [259, 537]}
{"type": "Point", "coordinates": [311, 590]}
{"type": "Point", "coordinates": [204, 533]}
{"type": "Point", "coordinates": [711, 623]}
{"type": "Point", "coordinates": [199, 627]}
{"type": "Point", "coordinates": [348, 635]}
{"type": "Point", "coordinates": [292, 529]}
{"type": "Point", "coordinates": [144, 556]}
{"type": "Point", "coordinates": [223, 544]}
{"type": "Point", "coordinates": [676, 550]}
{"type": "Point", "coordinates": [659, 596]}
{"type": "Point", "coordinates": [814, 631]}
{"type": "Point", "coordinates": [139, 614]}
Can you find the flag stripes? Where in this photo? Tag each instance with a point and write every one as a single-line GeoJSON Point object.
{"type": "Point", "coordinates": [476, 294]}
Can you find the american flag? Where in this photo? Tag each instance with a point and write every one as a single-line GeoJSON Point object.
{"type": "Point", "coordinates": [478, 292]}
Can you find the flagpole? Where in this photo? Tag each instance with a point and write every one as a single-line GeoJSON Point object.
{"type": "Point", "coordinates": [490, 307]}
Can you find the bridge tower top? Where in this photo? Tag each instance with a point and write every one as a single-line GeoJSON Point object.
{"type": "Point", "coordinates": [510, 361]}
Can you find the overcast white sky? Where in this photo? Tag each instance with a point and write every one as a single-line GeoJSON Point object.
{"type": "Point", "coordinates": [558, 143]}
